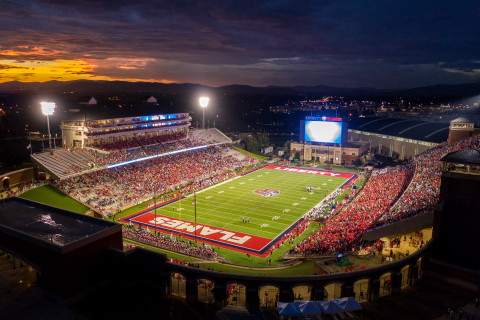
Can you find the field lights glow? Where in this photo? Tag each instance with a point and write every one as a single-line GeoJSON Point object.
{"type": "Point", "coordinates": [155, 156]}
{"type": "Point", "coordinates": [48, 108]}
{"type": "Point", "coordinates": [204, 102]}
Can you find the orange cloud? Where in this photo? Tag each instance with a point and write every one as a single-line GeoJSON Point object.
{"type": "Point", "coordinates": [64, 70]}
{"type": "Point", "coordinates": [27, 64]}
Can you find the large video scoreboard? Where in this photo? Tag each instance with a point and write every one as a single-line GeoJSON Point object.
{"type": "Point", "coordinates": [322, 130]}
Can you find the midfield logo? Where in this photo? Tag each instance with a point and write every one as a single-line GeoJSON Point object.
{"type": "Point", "coordinates": [267, 192]}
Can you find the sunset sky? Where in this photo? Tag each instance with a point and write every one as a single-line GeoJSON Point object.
{"type": "Point", "coordinates": [381, 44]}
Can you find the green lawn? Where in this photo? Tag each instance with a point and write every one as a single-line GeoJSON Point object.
{"type": "Point", "coordinates": [304, 268]}
{"type": "Point", "coordinates": [51, 196]}
{"type": "Point", "coordinates": [252, 155]}
{"type": "Point", "coordinates": [225, 206]}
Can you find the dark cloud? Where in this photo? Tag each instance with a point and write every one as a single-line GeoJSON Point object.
{"type": "Point", "coordinates": [6, 67]}
{"type": "Point", "coordinates": [383, 43]}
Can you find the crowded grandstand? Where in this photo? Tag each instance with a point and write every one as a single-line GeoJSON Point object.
{"type": "Point", "coordinates": [109, 174]}
{"type": "Point", "coordinates": [390, 195]}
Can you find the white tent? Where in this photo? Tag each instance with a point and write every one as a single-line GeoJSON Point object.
{"type": "Point", "coordinates": [349, 304]}
{"type": "Point", "coordinates": [288, 309]}
{"type": "Point", "coordinates": [308, 307]}
{"type": "Point", "coordinates": [329, 306]}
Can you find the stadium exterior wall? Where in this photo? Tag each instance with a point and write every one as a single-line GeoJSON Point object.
{"type": "Point", "coordinates": [19, 176]}
{"type": "Point", "coordinates": [457, 219]}
{"type": "Point", "coordinates": [142, 265]}
{"type": "Point", "coordinates": [410, 147]}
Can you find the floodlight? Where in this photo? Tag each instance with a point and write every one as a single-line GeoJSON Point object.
{"type": "Point", "coordinates": [204, 102]}
{"type": "Point", "coordinates": [48, 108]}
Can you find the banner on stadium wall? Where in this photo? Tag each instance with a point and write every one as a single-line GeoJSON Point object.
{"type": "Point", "coordinates": [312, 171]}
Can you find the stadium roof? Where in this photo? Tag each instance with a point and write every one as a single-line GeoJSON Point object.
{"type": "Point", "coordinates": [470, 156]}
{"type": "Point", "coordinates": [462, 120]}
{"type": "Point", "coordinates": [41, 221]}
{"type": "Point", "coordinates": [436, 132]}
{"type": "Point", "coordinates": [99, 113]}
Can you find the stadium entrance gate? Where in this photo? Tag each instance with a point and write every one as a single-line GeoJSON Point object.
{"type": "Point", "coordinates": [360, 288]}
{"type": "Point", "coordinates": [385, 284]}
{"type": "Point", "coordinates": [237, 295]}
{"type": "Point", "coordinates": [302, 293]}
{"type": "Point", "coordinates": [178, 285]}
{"type": "Point", "coordinates": [268, 296]}
{"type": "Point", "coordinates": [405, 276]}
{"type": "Point", "coordinates": [204, 291]}
{"type": "Point", "coordinates": [333, 291]}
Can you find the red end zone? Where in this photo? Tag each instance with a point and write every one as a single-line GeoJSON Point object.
{"type": "Point", "coordinates": [212, 235]}
{"type": "Point", "coordinates": [312, 171]}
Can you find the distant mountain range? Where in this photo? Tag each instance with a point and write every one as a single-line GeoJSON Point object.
{"type": "Point", "coordinates": [444, 90]}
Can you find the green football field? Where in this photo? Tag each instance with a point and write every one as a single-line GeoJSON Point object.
{"type": "Point", "coordinates": [225, 205]}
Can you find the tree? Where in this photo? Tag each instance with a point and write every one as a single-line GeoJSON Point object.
{"type": "Point", "coordinates": [286, 146]}
{"type": "Point", "coordinates": [357, 162]}
{"type": "Point", "coordinates": [257, 142]}
{"type": "Point", "coordinates": [253, 146]}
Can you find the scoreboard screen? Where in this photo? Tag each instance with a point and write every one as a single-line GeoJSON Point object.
{"type": "Point", "coordinates": [323, 131]}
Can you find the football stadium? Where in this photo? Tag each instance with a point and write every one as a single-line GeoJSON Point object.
{"type": "Point", "coordinates": [190, 215]}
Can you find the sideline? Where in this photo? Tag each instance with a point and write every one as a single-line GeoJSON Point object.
{"type": "Point", "coordinates": [298, 262]}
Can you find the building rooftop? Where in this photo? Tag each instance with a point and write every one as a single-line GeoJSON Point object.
{"type": "Point", "coordinates": [48, 223]}
{"type": "Point", "coordinates": [436, 132]}
{"type": "Point", "coordinates": [101, 113]}
{"type": "Point", "coordinates": [468, 156]}
{"type": "Point", "coordinates": [462, 120]}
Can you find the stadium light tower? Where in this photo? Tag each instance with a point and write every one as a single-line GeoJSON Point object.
{"type": "Point", "coordinates": [204, 104]}
{"type": "Point", "coordinates": [47, 109]}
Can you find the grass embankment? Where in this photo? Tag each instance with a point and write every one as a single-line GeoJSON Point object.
{"type": "Point", "coordinates": [252, 155]}
{"type": "Point", "coordinates": [51, 196]}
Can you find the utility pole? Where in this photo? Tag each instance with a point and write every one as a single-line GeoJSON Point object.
{"type": "Point", "coordinates": [155, 204]}
{"type": "Point", "coordinates": [195, 197]}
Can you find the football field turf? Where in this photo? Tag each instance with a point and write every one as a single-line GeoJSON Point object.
{"type": "Point", "coordinates": [224, 206]}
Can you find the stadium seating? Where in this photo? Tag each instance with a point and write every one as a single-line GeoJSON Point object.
{"type": "Point", "coordinates": [64, 163]}
{"type": "Point", "coordinates": [423, 192]}
{"type": "Point", "coordinates": [389, 195]}
{"type": "Point", "coordinates": [204, 136]}
{"type": "Point", "coordinates": [106, 190]}
{"type": "Point", "coordinates": [218, 136]}
{"type": "Point", "coordinates": [343, 232]}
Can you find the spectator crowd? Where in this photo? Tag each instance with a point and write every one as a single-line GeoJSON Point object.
{"type": "Point", "coordinates": [205, 252]}
{"type": "Point", "coordinates": [390, 194]}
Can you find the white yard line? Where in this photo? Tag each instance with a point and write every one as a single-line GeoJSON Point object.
{"type": "Point", "coordinates": [227, 200]}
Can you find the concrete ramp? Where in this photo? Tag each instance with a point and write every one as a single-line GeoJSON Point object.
{"type": "Point", "coordinates": [401, 228]}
